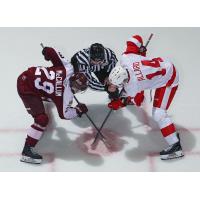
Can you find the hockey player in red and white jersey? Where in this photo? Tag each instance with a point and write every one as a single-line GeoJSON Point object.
{"type": "Point", "coordinates": [58, 84]}
{"type": "Point", "coordinates": [137, 73]}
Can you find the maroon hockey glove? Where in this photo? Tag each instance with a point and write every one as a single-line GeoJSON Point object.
{"type": "Point", "coordinates": [81, 109]}
{"type": "Point", "coordinates": [47, 53]}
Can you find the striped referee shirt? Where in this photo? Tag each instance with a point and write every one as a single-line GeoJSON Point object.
{"type": "Point", "coordinates": [81, 60]}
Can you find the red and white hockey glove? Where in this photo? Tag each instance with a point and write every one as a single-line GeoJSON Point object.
{"type": "Point", "coordinates": [139, 98]}
{"type": "Point", "coordinates": [81, 109]}
{"type": "Point", "coordinates": [119, 103]}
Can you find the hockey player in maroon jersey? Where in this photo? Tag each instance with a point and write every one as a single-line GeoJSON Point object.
{"type": "Point", "coordinates": [138, 73]}
{"type": "Point", "coordinates": [58, 84]}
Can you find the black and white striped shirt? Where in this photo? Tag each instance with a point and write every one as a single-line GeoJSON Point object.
{"type": "Point", "coordinates": [81, 62]}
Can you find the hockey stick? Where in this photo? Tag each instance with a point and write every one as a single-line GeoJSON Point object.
{"type": "Point", "coordinates": [149, 39]}
{"type": "Point", "coordinates": [109, 113]}
{"type": "Point", "coordinates": [102, 125]}
{"type": "Point", "coordinates": [41, 44]}
{"type": "Point", "coordinates": [103, 139]}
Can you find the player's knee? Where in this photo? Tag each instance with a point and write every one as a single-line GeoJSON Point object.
{"type": "Point", "coordinates": [159, 114]}
{"type": "Point", "coordinates": [42, 120]}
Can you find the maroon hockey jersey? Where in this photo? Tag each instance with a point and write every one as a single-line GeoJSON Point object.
{"type": "Point", "coordinates": [52, 83]}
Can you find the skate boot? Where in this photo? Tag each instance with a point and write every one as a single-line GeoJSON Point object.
{"type": "Point", "coordinates": [173, 151]}
{"type": "Point", "coordinates": [29, 156]}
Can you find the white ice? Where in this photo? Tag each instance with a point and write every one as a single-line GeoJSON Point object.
{"type": "Point", "coordinates": [136, 134]}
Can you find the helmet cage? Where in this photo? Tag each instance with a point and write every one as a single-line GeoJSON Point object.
{"type": "Point", "coordinates": [118, 76]}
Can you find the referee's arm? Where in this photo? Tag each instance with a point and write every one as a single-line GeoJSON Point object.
{"type": "Point", "coordinates": [112, 60]}
{"type": "Point", "coordinates": [94, 83]}
{"type": "Point", "coordinates": [75, 63]}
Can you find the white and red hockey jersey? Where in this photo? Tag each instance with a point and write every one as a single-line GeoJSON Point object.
{"type": "Point", "coordinates": [146, 73]}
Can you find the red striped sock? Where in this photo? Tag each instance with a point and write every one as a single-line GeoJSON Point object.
{"type": "Point", "coordinates": [31, 141]}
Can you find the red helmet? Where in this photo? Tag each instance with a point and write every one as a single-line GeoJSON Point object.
{"type": "Point", "coordinates": [78, 82]}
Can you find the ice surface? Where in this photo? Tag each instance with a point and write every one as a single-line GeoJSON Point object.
{"type": "Point", "coordinates": [135, 135]}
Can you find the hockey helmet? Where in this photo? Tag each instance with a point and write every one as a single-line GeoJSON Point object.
{"type": "Point", "coordinates": [97, 52]}
{"type": "Point", "coordinates": [118, 76]}
{"type": "Point", "coordinates": [78, 82]}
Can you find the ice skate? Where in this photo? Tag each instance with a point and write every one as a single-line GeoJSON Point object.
{"type": "Point", "coordinates": [29, 156]}
{"type": "Point", "coordinates": [173, 151]}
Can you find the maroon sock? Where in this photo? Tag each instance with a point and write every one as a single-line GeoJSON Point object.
{"type": "Point", "coordinates": [31, 141]}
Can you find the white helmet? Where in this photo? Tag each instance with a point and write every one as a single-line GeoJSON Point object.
{"type": "Point", "coordinates": [118, 75]}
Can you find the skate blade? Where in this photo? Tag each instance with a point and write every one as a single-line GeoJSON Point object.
{"type": "Point", "coordinates": [177, 154]}
{"type": "Point", "coordinates": [27, 159]}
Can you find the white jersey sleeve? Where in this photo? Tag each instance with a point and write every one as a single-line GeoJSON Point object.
{"type": "Point", "coordinates": [68, 111]}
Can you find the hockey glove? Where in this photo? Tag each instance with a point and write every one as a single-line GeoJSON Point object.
{"type": "Point", "coordinates": [119, 103]}
{"type": "Point", "coordinates": [81, 109]}
{"type": "Point", "coordinates": [46, 52]}
{"type": "Point", "coordinates": [139, 98]}
{"type": "Point", "coordinates": [143, 49]}
{"type": "Point", "coordinates": [127, 101]}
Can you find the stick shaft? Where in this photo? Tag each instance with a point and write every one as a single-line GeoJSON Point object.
{"type": "Point", "coordinates": [102, 125]}
{"type": "Point", "coordinates": [150, 37]}
{"type": "Point", "coordinates": [102, 136]}
{"type": "Point", "coordinates": [41, 44]}
{"type": "Point", "coordinates": [105, 120]}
